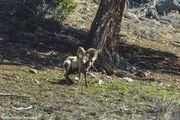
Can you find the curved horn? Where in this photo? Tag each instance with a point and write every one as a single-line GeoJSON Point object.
{"type": "Point", "coordinates": [80, 51]}
{"type": "Point", "coordinates": [93, 53]}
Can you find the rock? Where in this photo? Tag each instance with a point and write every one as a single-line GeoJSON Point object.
{"type": "Point", "coordinates": [131, 68]}
{"type": "Point", "coordinates": [165, 6]}
{"type": "Point", "coordinates": [100, 82]}
{"type": "Point", "coordinates": [130, 15]}
{"type": "Point", "coordinates": [34, 71]}
{"type": "Point", "coordinates": [128, 79]}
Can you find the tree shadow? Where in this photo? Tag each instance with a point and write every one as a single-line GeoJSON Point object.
{"type": "Point", "coordinates": [54, 42]}
{"type": "Point", "coordinates": [32, 34]}
{"type": "Point", "coordinates": [149, 59]}
{"type": "Point", "coordinates": [47, 48]}
{"type": "Point", "coordinates": [50, 45]}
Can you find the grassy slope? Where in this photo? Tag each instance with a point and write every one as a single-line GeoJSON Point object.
{"type": "Point", "coordinates": [116, 99]}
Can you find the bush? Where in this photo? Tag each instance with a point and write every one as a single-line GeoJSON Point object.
{"type": "Point", "coordinates": [26, 15]}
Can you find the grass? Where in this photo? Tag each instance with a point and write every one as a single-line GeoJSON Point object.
{"type": "Point", "coordinates": [52, 98]}
{"type": "Point", "coordinates": [116, 98]}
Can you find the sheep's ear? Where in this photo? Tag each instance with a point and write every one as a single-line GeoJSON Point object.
{"type": "Point", "coordinates": [93, 54]}
{"type": "Point", "coordinates": [80, 52]}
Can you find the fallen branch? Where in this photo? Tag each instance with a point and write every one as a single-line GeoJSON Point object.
{"type": "Point", "coordinates": [151, 57]}
{"type": "Point", "coordinates": [15, 95]}
{"type": "Point", "coordinates": [23, 108]}
{"type": "Point", "coordinates": [175, 43]}
{"type": "Point", "coordinates": [169, 71]}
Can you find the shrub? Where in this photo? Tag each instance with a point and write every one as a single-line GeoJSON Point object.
{"type": "Point", "coordinates": [26, 15]}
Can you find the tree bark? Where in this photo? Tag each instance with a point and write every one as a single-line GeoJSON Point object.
{"type": "Point", "coordinates": [104, 33]}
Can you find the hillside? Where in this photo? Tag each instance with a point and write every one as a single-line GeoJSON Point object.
{"type": "Point", "coordinates": [32, 81]}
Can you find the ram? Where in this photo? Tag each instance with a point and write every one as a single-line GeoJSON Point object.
{"type": "Point", "coordinates": [80, 63]}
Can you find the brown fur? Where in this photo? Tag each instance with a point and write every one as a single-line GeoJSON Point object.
{"type": "Point", "coordinates": [85, 59]}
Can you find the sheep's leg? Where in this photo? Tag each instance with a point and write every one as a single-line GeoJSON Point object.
{"type": "Point", "coordinates": [66, 75]}
{"type": "Point", "coordinates": [79, 78]}
{"type": "Point", "coordinates": [85, 75]}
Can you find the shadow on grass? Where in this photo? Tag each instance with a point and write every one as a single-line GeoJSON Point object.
{"type": "Point", "coordinates": [150, 59]}
{"type": "Point", "coordinates": [47, 48]}
{"type": "Point", "coordinates": [50, 46]}
{"type": "Point", "coordinates": [62, 82]}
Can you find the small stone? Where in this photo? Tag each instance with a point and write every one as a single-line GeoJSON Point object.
{"type": "Point", "coordinates": [101, 82]}
{"type": "Point", "coordinates": [34, 71]}
{"type": "Point", "coordinates": [128, 79]}
{"type": "Point", "coordinates": [131, 16]}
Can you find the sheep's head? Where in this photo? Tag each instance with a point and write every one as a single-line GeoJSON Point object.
{"type": "Point", "coordinates": [90, 55]}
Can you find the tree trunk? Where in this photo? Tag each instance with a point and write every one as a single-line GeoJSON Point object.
{"type": "Point", "coordinates": [104, 32]}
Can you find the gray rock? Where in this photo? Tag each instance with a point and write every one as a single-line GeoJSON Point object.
{"type": "Point", "coordinates": [128, 79]}
{"type": "Point", "coordinates": [130, 15]}
{"type": "Point", "coordinates": [34, 71]}
{"type": "Point", "coordinates": [165, 6]}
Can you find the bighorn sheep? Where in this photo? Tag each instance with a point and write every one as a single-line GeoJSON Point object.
{"type": "Point", "coordinates": [80, 63]}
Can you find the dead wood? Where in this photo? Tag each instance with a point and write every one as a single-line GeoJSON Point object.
{"type": "Point", "coordinates": [22, 108]}
{"type": "Point", "coordinates": [14, 95]}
